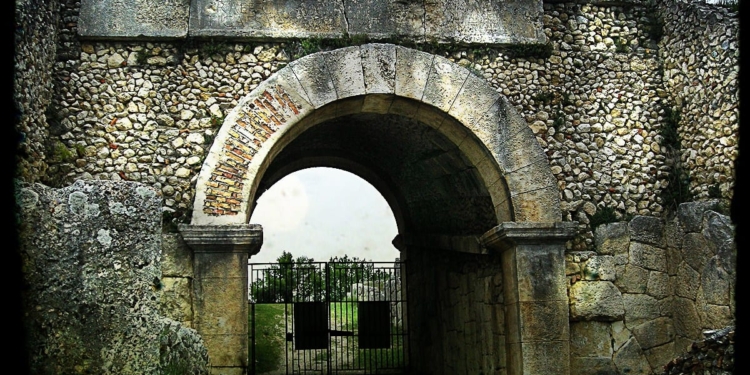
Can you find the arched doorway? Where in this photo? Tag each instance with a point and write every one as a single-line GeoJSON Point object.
{"type": "Point", "coordinates": [477, 207]}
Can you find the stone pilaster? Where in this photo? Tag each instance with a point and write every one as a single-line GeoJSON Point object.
{"type": "Point", "coordinates": [220, 290]}
{"type": "Point", "coordinates": [536, 301]}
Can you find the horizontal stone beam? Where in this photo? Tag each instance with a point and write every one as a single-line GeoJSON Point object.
{"type": "Point", "coordinates": [448, 21]}
{"type": "Point", "coordinates": [246, 238]}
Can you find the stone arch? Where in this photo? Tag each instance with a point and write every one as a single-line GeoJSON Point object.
{"type": "Point", "coordinates": [376, 78]}
{"type": "Point", "coordinates": [485, 148]}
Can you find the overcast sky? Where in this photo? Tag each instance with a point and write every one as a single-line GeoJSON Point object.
{"type": "Point", "coordinates": [324, 212]}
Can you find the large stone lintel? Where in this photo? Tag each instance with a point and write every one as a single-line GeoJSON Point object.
{"type": "Point", "coordinates": [496, 22]}
{"type": "Point", "coordinates": [507, 235]}
{"type": "Point", "coordinates": [245, 238]}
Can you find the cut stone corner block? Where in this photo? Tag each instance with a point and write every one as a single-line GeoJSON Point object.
{"type": "Point", "coordinates": [238, 238]}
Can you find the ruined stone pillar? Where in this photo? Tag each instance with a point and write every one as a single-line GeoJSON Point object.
{"type": "Point", "coordinates": [220, 290]}
{"type": "Point", "coordinates": [536, 300]}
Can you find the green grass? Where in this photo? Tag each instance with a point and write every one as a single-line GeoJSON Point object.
{"type": "Point", "coordinates": [269, 343]}
{"type": "Point", "coordinates": [344, 313]}
{"type": "Point", "coordinates": [392, 357]}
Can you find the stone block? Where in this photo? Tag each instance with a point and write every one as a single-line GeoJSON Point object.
{"type": "Point", "coordinates": [631, 360]}
{"type": "Point", "coordinates": [632, 279]}
{"type": "Point", "coordinates": [596, 300]}
{"type": "Point", "coordinates": [654, 333]}
{"type": "Point", "coordinates": [695, 250]}
{"type": "Point", "coordinates": [264, 19]}
{"type": "Point", "coordinates": [471, 104]}
{"type": "Point", "coordinates": [620, 335]}
{"type": "Point", "coordinates": [176, 256]}
{"type": "Point", "coordinates": [544, 273]}
{"type": "Point", "coordinates": [647, 229]}
{"type": "Point", "coordinates": [687, 281]}
{"type": "Point", "coordinates": [590, 339]}
{"type": "Point", "coordinates": [379, 68]}
{"type": "Point", "coordinates": [658, 285]}
{"type": "Point", "coordinates": [219, 301]}
{"type": "Point", "coordinates": [175, 299]}
{"type": "Point", "coordinates": [648, 257]}
{"type": "Point", "coordinates": [552, 357]}
{"type": "Point", "coordinates": [674, 258]}
{"type": "Point", "coordinates": [613, 238]}
{"type": "Point", "coordinates": [600, 268]}
{"type": "Point", "coordinates": [659, 356]}
{"type": "Point", "coordinates": [715, 283]}
{"type": "Point", "coordinates": [345, 65]}
{"type": "Point", "coordinates": [592, 365]}
{"type": "Point", "coordinates": [685, 318]}
{"type": "Point", "coordinates": [691, 214]}
{"type": "Point", "coordinates": [445, 81]}
{"type": "Point", "coordinates": [719, 232]}
{"type": "Point", "coordinates": [316, 81]}
{"type": "Point", "coordinates": [544, 321]}
{"type": "Point", "coordinates": [220, 265]}
{"type": "Point", "coordinates": [150, 19]}
{"type": "Point", "coordinates": [412, 71]}
{"type": "Point", "coordinates": [639, 308]}
{"type": "Point", "coordinates": [541, 205]}
{"type": "Point", "coordinates": [226, 350]}
{"type": "Point", "coordinates": [492, 21]}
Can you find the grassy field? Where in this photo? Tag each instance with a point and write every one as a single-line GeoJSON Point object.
{"type": "Point", "coordinates": [269, 331]}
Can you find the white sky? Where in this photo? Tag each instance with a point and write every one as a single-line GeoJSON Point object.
{"type": "Point", "coordinates": [324, 212]}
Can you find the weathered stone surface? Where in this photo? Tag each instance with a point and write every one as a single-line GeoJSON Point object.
{"type": "Point", "coordinates": [160, 19]}
{"type": "Point", "coordinates": [176, 257]}
{"type": "Point", "coordinates": [659, 356]}
{"type": "Point", "coordinates": [691, 214]}
{"type": "Point", "coordinates": [632, 279]}
{"type": "Point", "coordinates": [658, 285]}
{"type": "Point", "coordinates": [612, 238]}
{"type": "Point", "coordinates": [630, 359]}
{"type": "Point", "coordinates": [719, 232]}
{"type": "Point", "coordinates": [379, 68]}
{"type": "Point", "coordinates": [595, 300]}
{"type": "Point", "coordinates": [654, 333]}
{"type": "Point", "coordinates": [685, 318]}
{"type": "Point", "coordinates": [600, 268]}
{"type": "Point", "coordinates": [620, 335]}
{"type": "Point", "coordinates": [647, 229]}
{"type": "Point", "coordinates": [92, 262]}
{"type": "Point", "coordinates": [695, 250]}
{"type": "Point", "coordinates": [175, 299]}
{"type": "Point", "coordinates": [687, 281]}
{"type": "Point", "coordinates": [639, 308]}
{"type": "Point", "coordinates": [715, 283]}
{"type": "Point", "coordinates": [492, 22]}
{"type": "Point", "coordinates": [648, 257]}
{"type": "Point", "coordinates": [345, 64]}
{"type": "Point", "coordinates": [590, 339]}
{"type": "Point", "coordinates": [592, 365]}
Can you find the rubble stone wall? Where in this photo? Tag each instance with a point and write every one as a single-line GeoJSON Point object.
{"type": "Point", "coordinates": [36, 43]}
{"type": "Point", "coordinates": [596, 99]}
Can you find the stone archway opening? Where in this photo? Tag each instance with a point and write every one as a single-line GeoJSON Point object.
{"type": "Point", "coordinates": [476, 205]}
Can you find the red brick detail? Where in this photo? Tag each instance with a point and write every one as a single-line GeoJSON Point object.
{"type": "Point", "coordinates": [261, 118]}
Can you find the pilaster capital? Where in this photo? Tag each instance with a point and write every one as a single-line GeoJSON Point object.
{"type": "Point", "coordinates": [237, 238]}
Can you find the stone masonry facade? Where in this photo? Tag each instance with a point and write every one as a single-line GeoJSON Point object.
{"type": "Point", "coordinates": [601, 98]}
{"type": "Point", "coordinates": [148, 111]}
{"type": "Point", "coordinates": [650, 289]}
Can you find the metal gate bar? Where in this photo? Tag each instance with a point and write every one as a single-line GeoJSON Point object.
{"type": "Point", "coordinates": [338, 317]}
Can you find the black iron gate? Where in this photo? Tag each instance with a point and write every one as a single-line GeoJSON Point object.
{"type": "Point", "coordinates": [327, 318]}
